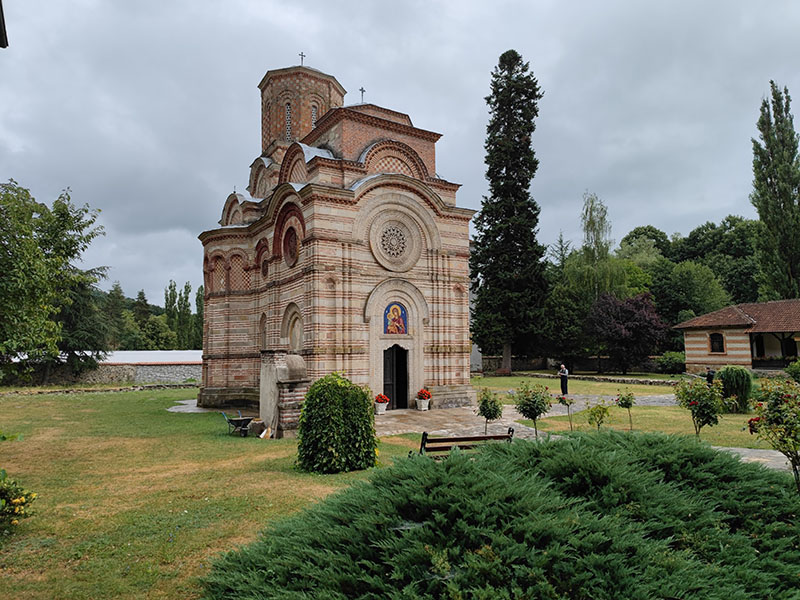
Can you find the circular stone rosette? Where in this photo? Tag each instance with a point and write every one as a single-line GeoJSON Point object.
{"type": "Point", "coordinates": [395, 241]}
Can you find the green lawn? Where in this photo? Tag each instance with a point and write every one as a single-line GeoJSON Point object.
{"type": "Point", "coordinates": [664, 376]}
{"type": "Point", "coordinates": [730, 432]}
{"type": "Point", "coordinates": [576, 386]}
{"type": "Point", "coordinates": [134, 500]}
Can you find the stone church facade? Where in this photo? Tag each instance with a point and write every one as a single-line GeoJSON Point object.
{"type": "Point", "coordinates": [348, 251]}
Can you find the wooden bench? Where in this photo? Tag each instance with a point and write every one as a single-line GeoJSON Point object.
{"type": "Point", "coordinates": [438, 447]}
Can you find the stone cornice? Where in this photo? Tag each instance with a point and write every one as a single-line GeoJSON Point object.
{"type": "Point", "coordinates": [303, 71]}
{"type": "Point", "coordinates": [337, 115]}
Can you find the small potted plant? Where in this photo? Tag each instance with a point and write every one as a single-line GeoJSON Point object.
{"type": "Point", "coordinates": [381, 402]}
{"type": "Point", "coordinates": [423, 399]}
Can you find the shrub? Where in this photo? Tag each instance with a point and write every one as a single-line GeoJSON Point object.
{"type": "Point", "coordinates": [606, 515]}
{"type": "Point", "coordinates": [337, 427]}
{"type": "Point", "coordinates": [736, 385]}
{"type": "Point", "coordinates": [626, 400]}
{"type": "Point", "coordinates": [489, 407]}
{"type": "Point", "coordinates": [15, 502]}
{"type": "Point", "coordinates": [671, 362]}
{"type": "Point", "coordinates": [703, 401]}
{"type": "Point", "coordinates": [777, 420]}
{"type": "Point", "coordinates": [598, 413]}
{"type": "Point", "coordinates": [793, 370]}
{"type": "Point", "coordinates": [532, 402]}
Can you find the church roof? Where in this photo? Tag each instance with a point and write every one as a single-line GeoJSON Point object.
{"type": "Point", "coordinates": [755, 317]}
{"type": "Point", "coordinates": [310, 152]}
{"type": "Point", "coordinates": [300, 68]}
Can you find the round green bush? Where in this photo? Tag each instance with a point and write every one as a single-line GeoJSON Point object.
{"type": "Point", "coordinates": [736, 382]}
{"type": "Point", "coordinates": [671, 362]}
{"type": "Point", "coordinates": [608, 515]}
{"type": "Point", "coordinates": [337, 427]}
{"type": "Point", "coordinates": [15, 503]}
{"type": "Point", "coordinates": [793, 370]}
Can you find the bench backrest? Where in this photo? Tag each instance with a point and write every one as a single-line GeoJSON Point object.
{"type": "Point", "coordinates": [442, 445]}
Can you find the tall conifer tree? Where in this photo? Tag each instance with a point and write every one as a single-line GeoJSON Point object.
{"type": "Point", "coordinates": [141, 309]}
{"type": "Point", "coordinates": [115, 321]}
{"type": "Point", "coordinates": [776, 196]}
{"type": "Point", "coordinates": [506, 264]}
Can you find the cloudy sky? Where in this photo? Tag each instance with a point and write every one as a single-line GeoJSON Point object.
{"type": "Point", "coordinates": [149, 110]}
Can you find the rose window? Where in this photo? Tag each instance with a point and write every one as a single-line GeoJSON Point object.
{"type": "Point", "coordinates": [393, 241]}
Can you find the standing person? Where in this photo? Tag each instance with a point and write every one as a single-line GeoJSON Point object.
{"type": "Point", "coordinates": [564, 373]}
{"type": "Point", "coordinates": [710, 375]}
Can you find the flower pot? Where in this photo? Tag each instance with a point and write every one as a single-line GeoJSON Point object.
{"type": "Point", "coordinates": [380, 407]}
{"type": "Point", "coordinates": [423, 404]}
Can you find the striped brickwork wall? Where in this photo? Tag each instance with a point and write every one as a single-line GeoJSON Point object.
{"type": "Point", "coordinates": [338, 286]}
{"type": "Point", "coordinates": [698, 349]}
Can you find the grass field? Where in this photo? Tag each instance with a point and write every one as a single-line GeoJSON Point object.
{"type": "Point", "coordinates": [134, 500]}
{"type": "Point", "coordinates": [576, 386]}
{"type": "Point", "coordinates": [731, 430]}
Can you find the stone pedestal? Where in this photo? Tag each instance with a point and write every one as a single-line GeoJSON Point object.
{"type": "Point", "coordinates": [284, 384]}
{"type": "Point", "coordinates": [452, 396]}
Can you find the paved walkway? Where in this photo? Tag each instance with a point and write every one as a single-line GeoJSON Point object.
{"type": "Point", "coordinates": [465, 421]}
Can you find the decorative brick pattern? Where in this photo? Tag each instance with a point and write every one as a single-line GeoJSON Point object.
{"type": "Point", "coordinates": [393, 164]}
{"type": "Point", "coordinates": [362, 242]}
{"type": "Point", "coordinates": [239, 275]}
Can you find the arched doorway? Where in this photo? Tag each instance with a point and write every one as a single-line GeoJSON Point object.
{"type": "Point", "coordinates": [395, 376]}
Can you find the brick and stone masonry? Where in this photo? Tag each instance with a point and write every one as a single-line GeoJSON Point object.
{"type": "Point", "coordinates": [345, 215]}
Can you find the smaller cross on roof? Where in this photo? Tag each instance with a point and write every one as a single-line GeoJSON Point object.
{"type": "Point", "coordinates": [302, 56]}
{"type": "Point", "coordinates": [362, 90]}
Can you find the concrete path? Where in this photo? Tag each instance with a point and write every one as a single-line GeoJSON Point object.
{"type": "Point", "coordinates": [465, 421]}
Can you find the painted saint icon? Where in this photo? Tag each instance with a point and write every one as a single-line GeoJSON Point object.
{"type": "Point", "coordinates": [395, 319]}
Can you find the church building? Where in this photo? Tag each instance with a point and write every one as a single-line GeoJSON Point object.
{"type": "Point", "coordinates": [348, 253]}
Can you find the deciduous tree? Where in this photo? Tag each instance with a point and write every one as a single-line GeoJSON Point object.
{"type": "Point", "coordinates": [776, 196]}
{"type": "Point", "coordinates": [629, 330]}
{"type": "Point", "coordinates": [28, 288]}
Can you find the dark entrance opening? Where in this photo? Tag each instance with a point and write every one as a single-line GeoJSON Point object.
{"type": "Point", "coordinates": [395, 376]}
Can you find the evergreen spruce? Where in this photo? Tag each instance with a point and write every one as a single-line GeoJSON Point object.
{"type": "Point", "coordinates": [506, 264]}
{"type": "Point", "coordinates": [114, 307]}
{"type": "Point", "coordinates": [776, 196]}
{"type": "Point", "coordinates": [141, 309]}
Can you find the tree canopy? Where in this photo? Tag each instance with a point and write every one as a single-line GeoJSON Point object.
{"type": "Point", "coordinates": [43, 294]}
{"type": "Point", "coordinates": [776, 196]}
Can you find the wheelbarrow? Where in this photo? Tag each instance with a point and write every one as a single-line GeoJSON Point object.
{"type": "Point", "coordinates": [237, 424]}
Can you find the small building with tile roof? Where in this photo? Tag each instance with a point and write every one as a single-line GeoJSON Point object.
{"type": "Point", "coordinates": [753, 335]}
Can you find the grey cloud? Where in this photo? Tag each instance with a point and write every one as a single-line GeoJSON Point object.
{"type": "Point", "coordinates": [150, 111]}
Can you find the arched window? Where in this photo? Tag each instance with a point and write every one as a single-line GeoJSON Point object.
{"type": "Point", "coordinates": [313, 116]}
{"type": "Point", "coordinates": [717, 342]}
{"type": "Point", "coordinates": [288, 122]}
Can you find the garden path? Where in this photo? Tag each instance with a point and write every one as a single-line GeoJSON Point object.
{"type": "Point", "coordinates": [465, 421]}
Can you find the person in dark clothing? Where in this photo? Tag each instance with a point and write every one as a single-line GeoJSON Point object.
{"type": "Point", "coordinates": [564, 373]}
{"type": "Point", "coordinates": [710, 375]}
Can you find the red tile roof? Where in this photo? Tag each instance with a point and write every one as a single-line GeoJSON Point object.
{"type": "Point", "coordinates": [761, 317]}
